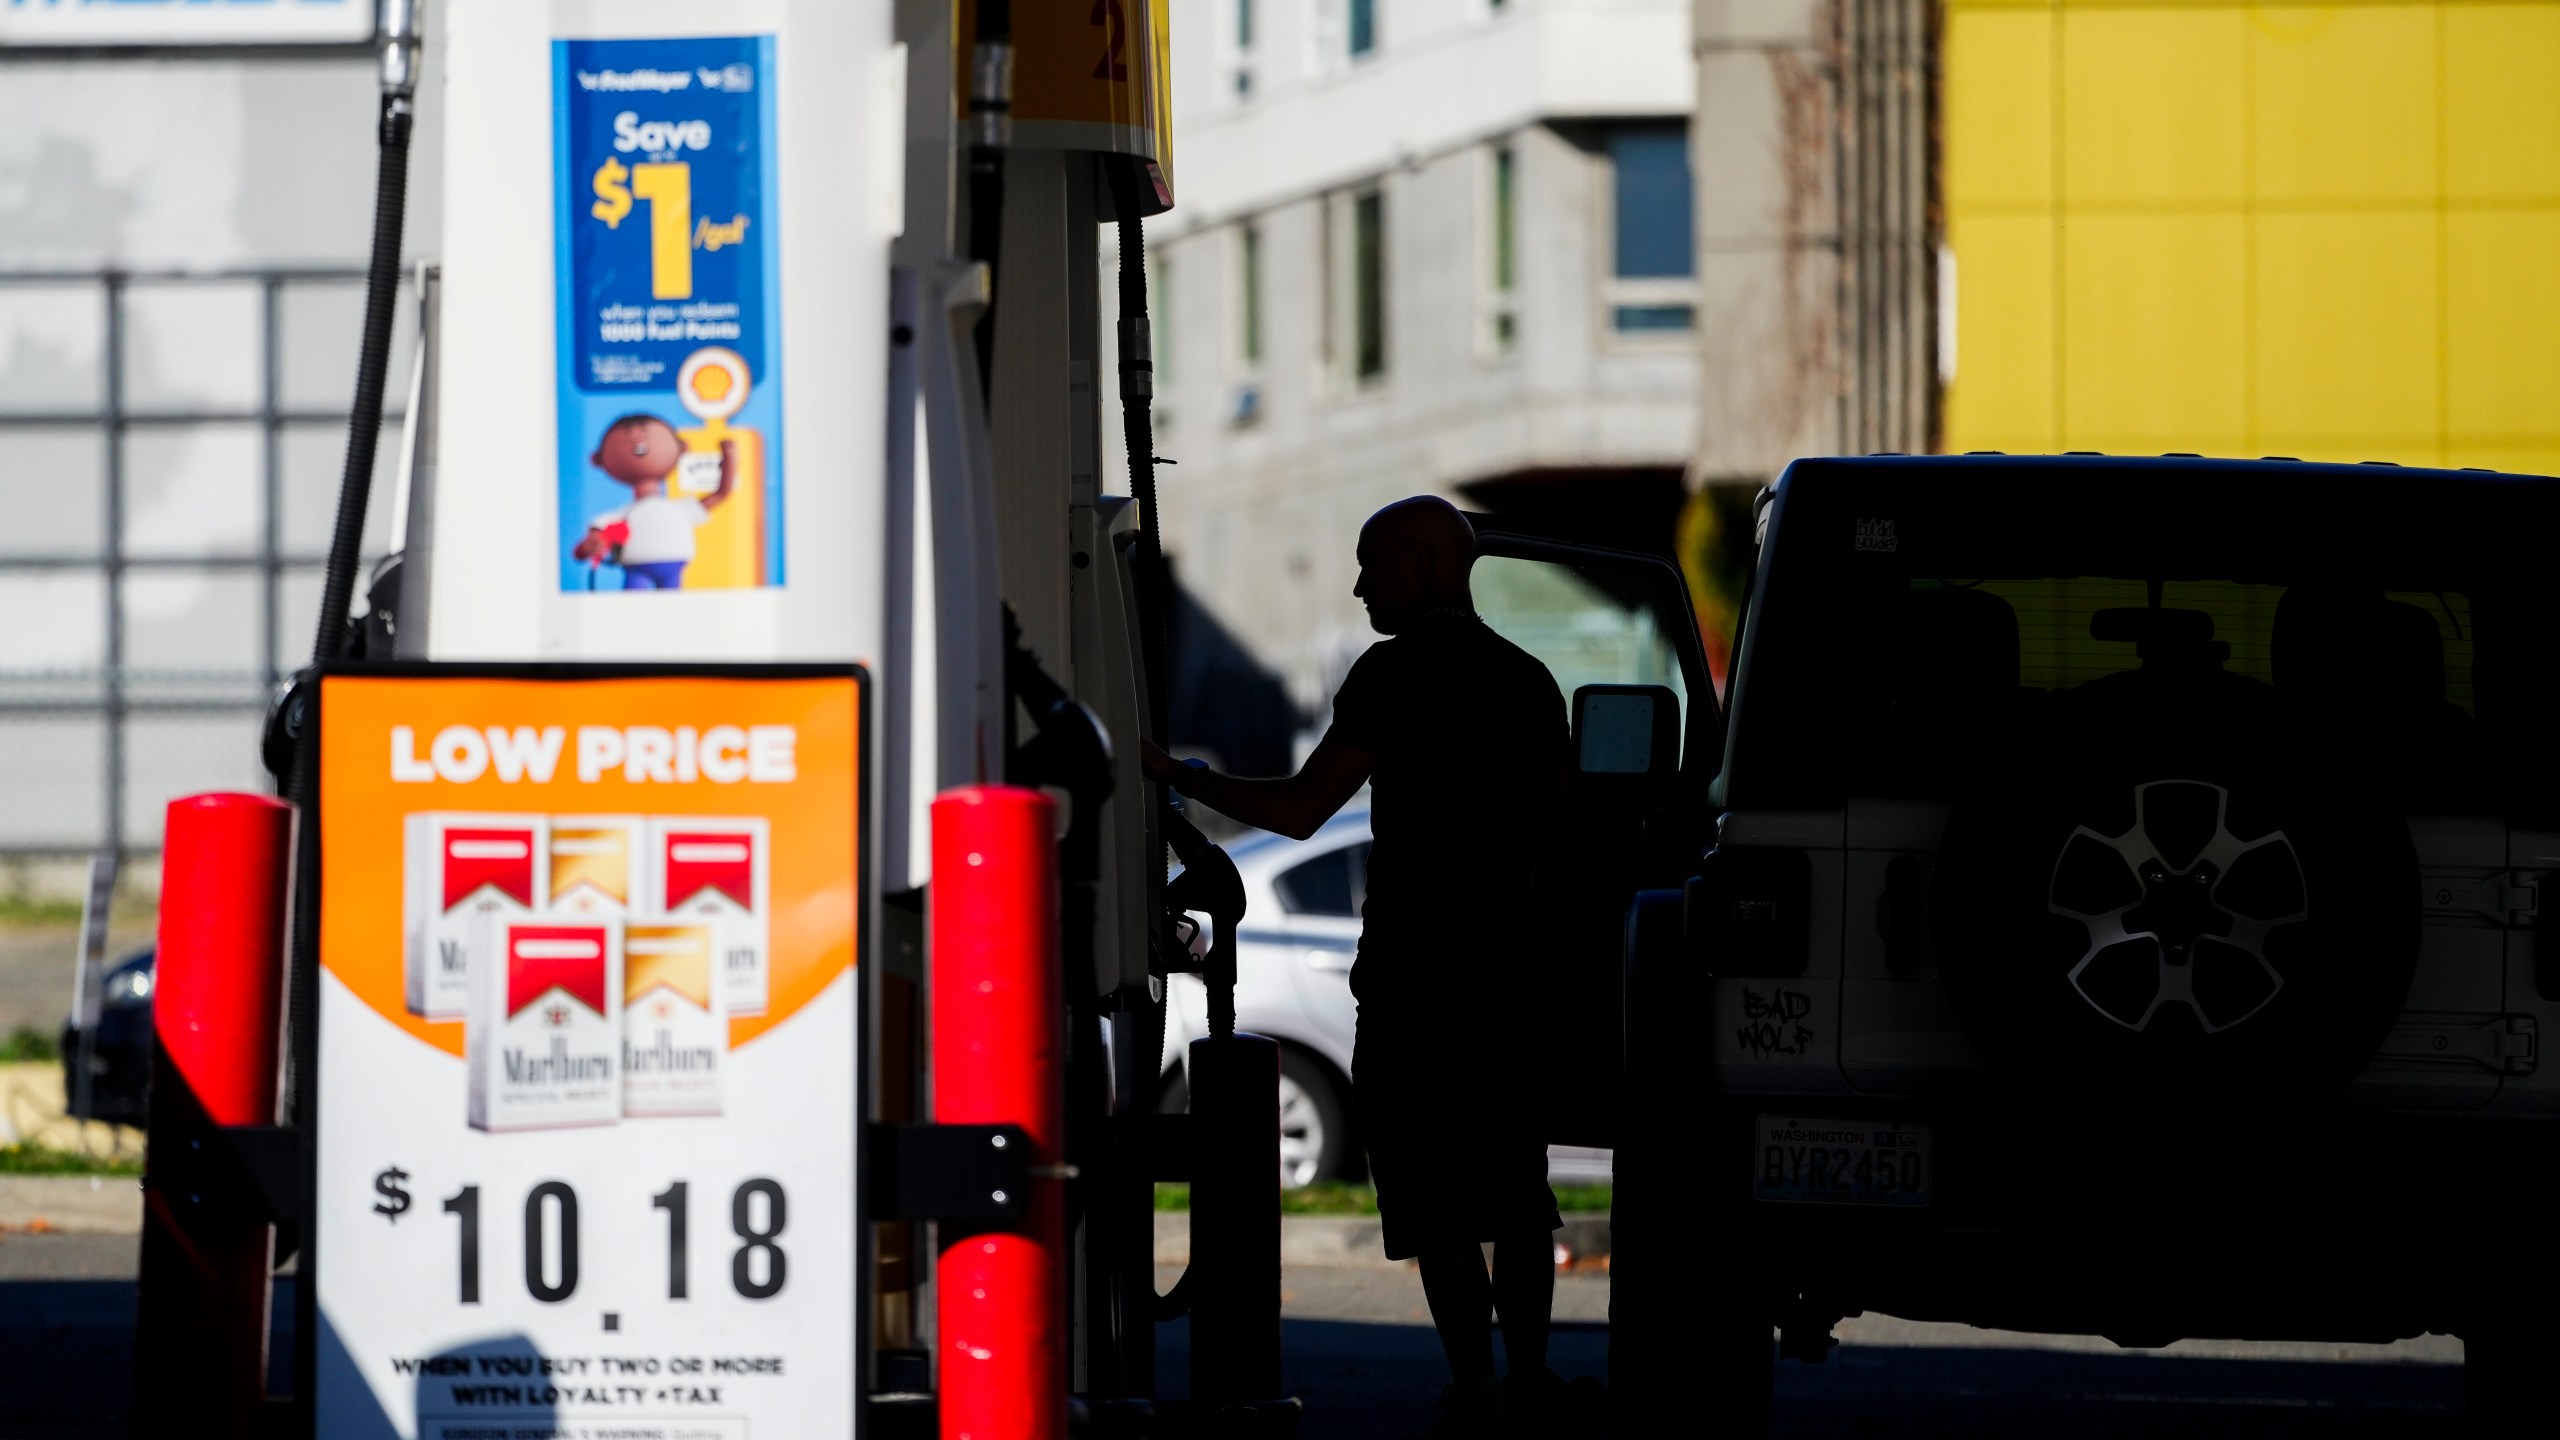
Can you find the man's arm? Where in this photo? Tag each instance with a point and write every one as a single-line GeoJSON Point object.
{"type": "Point", "coordinates": [1292, 805]}
{"type": "Point", "coordinates": [728, 475]}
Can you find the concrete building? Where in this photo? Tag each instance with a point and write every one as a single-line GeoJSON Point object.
{"type": "Point", "coordinates": [1426, 245]}
{"type": "Point", "coordinates": [185, 213]}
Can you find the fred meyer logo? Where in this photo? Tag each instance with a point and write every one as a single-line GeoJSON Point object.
{"type": "Point", "coordinates": [729, 79]}
{"type": "Point", "coordinates": [185, 22]}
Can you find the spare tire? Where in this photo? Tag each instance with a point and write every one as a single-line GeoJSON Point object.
{"type": "Point", "coordinates": [2166, 914]}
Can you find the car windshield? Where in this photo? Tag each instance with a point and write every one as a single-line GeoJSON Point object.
{"type": "Point", "coordinates": [1925, 627]}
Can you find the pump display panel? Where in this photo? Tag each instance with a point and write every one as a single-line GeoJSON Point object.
{"type": "Point", "coordinates": [586, 1057]}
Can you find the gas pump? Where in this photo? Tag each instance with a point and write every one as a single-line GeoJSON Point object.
{"type": "Point", "coordinates": [728, 923]}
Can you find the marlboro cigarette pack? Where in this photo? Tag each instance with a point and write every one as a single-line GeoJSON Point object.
{"type": "Point", "coordinates": [595, 865]}
{"type": "Point", "coordinates": [717, 869]}
{"type": "Point", "coordinates": [458, 870]}
{"type": "Point", "coordinates": [543, 1040]}
{"type": "Point", "coordinates": [675, 1019]}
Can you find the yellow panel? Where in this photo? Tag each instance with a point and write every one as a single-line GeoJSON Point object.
{"type": "Point", "coordinates": [2502, 323]}
{"type": "Point", "coordinates": [2514, 460]}
{"type": "Point", "coordinates": [2344, 103]}
{"type": "Point", "coordinates": [2151, 336]}
{"type": "Point", "coordinates": [2338, 450]}
{"type": "Point", "coordinates": [1999, 108]}
{"type": "Point", "coordinates": [2345, 323]}
{"type": "Point", "coordinates": [2212, 447]}
{"type": "Point", "coordinates": [2004, 334]}
{"type": "Point", "coordinates": [2502, 101]}
{"type": "Point", "coordinates": [2152, 106]}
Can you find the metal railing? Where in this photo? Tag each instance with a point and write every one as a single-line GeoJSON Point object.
{"type": "Point", "coordinates": [42, 704]}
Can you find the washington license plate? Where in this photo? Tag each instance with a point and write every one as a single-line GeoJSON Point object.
{"type": "Point", "coordinates": [1842, 1162]}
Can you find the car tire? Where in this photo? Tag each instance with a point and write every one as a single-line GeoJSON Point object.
{"type": "Point", "coordinates": [1316, 1143]}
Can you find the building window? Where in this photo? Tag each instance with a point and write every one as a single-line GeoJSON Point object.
{"type": "Point", "coordinates": [1356, 288]}
{"type": "Point", "coordinates": [1501, 328]}
{"type": "Point", "coordinates": [1362, 27]}
{"type": "Point", "coordinates": [1653, 246]}
{"type": "Point", "coordinates": [1243, 66]}
{"type": "Point", "coordinates": [1249, 295]}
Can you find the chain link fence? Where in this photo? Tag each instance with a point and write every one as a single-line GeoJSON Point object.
{"type": "Point", "coordinates": [170, 447]}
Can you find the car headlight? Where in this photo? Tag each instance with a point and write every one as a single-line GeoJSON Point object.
{"type": "Point", "coordinates": [128, 987]}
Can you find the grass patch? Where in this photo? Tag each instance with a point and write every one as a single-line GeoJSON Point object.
{"type": "Point", "coordinates": [1337, 1199]}
{"type": "Point", "coordinates": [27, 1043]}
{"type": "Point", "coordinates": [44, 1160]}
{"type": "Point", "coordinates": [20, 910]}
{"type": "Point", "coordinates": [1583, 1199]}
{"type": "Point", "coordinates": [1331, 1198]}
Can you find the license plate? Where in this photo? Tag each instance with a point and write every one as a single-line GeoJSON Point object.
{"type": "Point", "coordinates": [1842, 1162]}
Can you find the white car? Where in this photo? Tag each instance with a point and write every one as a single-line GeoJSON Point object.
{"type": "Point", "coordinates": [1293, 983]}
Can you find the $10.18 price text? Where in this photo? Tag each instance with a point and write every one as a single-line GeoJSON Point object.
{"type": "Point", "coordinates": [757, 1213]}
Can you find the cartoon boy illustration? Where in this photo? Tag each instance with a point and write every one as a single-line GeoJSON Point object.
{"type": "Point", "coordinates": [652, 537]}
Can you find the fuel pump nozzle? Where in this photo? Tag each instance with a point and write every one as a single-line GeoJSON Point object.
{"type": "Point", "coordinates": [400, 29]}
{"type": "Point", "coordinates": [1209, 883]}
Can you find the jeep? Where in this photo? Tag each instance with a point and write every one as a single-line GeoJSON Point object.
{"type": "Point", "coordinates": [2122, 918]}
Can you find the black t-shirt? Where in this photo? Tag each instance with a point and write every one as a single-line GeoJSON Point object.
{"type": "Point", "coordinates": [1468, 731]}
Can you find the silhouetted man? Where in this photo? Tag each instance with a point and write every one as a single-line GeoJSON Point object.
{"type": "Point", "coordinates": [1462, 736]}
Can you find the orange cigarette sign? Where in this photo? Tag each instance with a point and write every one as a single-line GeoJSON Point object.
{"type": "Point", "coordinates": [603, 768]}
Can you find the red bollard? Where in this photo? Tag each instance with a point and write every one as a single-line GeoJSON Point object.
{"type": "Point", "coordinates": [200, 1341]}
{"type": "Point", "coordinates": [999, 1058]}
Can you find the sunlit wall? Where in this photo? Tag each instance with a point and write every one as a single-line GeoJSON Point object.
{"type": "Point", "coordinates": [2329, 232]}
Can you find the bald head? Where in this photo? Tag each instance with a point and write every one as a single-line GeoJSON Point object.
{"type": "Point", "coordinates": [1414, 558]}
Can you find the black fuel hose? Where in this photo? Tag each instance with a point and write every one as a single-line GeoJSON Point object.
{"type": "Point", "coordinates": [990, 133]}
{"type": "Point", "coordinates": [1137, 423]}
{"type": "Point", "coordinates": [373, 364]}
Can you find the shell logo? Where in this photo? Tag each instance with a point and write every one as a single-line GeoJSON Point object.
{"type": "Point", "coordinates": [713, 383]}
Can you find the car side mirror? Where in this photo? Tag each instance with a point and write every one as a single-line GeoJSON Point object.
{"type": "Point", "coordinates": [1628, 733]}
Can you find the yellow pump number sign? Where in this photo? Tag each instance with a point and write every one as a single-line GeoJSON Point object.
{"type": "Point", "coordinates": [1094, 76]}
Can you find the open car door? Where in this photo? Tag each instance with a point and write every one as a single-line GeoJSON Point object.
{"type": "Point", "coordinates": [1616, 629]}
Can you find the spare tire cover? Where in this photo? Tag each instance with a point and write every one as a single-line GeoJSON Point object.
{"type": "Point", "coordinates": [2144, 910]}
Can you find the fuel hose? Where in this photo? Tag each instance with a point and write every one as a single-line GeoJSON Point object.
{"type": "Point", "coordinates": [399, 31]}
{"type": "Point", "coordinates": [1137, 422]}
{"type": "Point", "coordinates": [990, 132]}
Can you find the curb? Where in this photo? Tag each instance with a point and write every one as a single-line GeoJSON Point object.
{"type": "Point", "coordinates": [1357, 1240]}
{"type": "Point", "coordinates": [71, 1204]}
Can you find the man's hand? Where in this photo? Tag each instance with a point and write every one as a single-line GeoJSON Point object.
{"type": "Point", "coordinates": [1160, 767]}
{"type": "Point", "coordinates": [1293, 805]}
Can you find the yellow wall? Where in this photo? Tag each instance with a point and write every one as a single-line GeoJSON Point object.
{"type": "Point", "coordinates": [2331, 232]}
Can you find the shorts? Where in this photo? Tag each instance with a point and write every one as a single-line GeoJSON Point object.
{"type": "Point", "coordinates": [654, 575]}
{"type": "Point", "coordinates": [1451, 1131]}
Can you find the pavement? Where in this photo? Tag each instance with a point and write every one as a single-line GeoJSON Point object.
{"type": "Point", "coordinates": [35, 970]}
{"type": "Point", "coordinates": [1361, 1353]}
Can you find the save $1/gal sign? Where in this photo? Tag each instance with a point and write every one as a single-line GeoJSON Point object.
{"type": "Point", "coordinates": [586, 1053]}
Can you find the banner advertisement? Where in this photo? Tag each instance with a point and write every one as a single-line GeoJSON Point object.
{"type": "Point", "coordinates": [587, 1057]}
{"type": "Point", "coordinates": [667, 281]}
